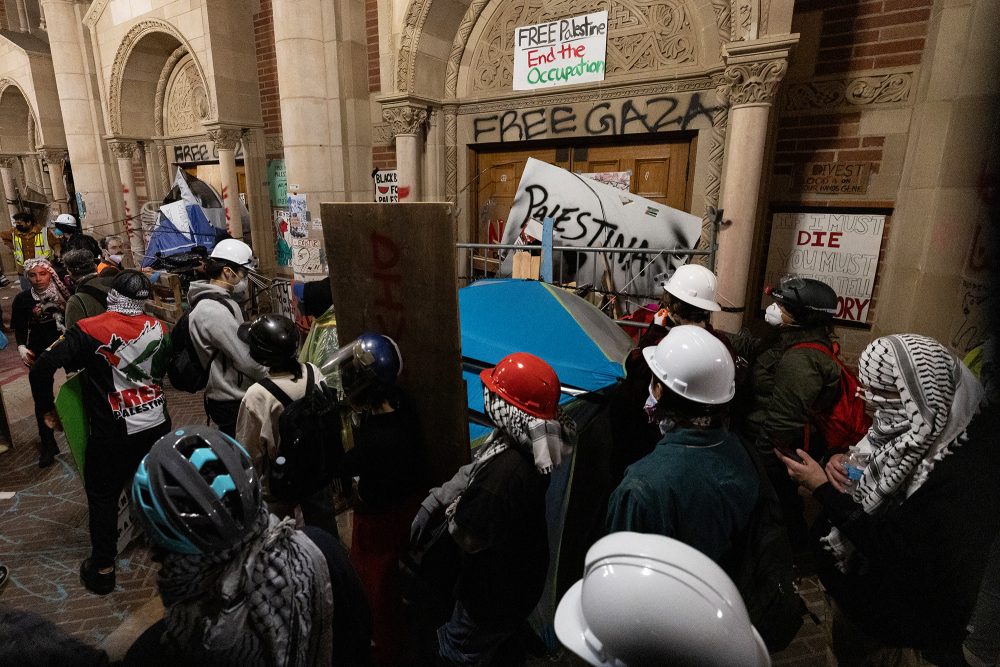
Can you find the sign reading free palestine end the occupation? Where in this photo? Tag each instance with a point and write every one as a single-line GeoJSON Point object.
{"type": "Point", "coordinates": [560, 53]}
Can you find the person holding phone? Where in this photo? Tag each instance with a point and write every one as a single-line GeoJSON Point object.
{"type": "Point", "coordinates": [788, 382]}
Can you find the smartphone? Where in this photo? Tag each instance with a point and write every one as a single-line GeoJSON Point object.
{"type": "Point", "coordinates": [790, 453]}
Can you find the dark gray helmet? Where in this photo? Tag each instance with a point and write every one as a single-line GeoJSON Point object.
{"type": "Point", "coordinates": [807, 300]}
{"type": "Point", "coordinates": [271, 338]}
{"type": "Point", "coordinates": [132, 284]}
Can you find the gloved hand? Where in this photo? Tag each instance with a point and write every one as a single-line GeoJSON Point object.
{"type": "Point", "coordinates": [27, 356]}
{"type": "Point", "coordinates": [662, 317]}
{"type": "Point", "coordinates": [419, 527]}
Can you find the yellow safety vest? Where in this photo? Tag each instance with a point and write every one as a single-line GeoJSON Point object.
{"type": "Point", "coordinates": [41, 247]}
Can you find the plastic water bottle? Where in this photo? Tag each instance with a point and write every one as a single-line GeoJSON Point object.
{"type": "Point", "coordinates": [855, 465]}
{"type": "Point", "coordinates": [278, 477]}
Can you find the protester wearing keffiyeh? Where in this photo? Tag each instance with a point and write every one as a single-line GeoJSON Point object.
{"type": "Point", "coordinates": [55, 292]}
{"type": "Point", "coordinates": [938, 397]}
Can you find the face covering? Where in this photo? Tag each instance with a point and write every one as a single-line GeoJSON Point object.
{"type": "Point", "coordinates": [773, 315]}
{"type": "Point", "coordinates": [666, 424]}
{"type": "Point", "coordinates": [241, 286]}
{"type": "Point", "coordinates": [117, 259]}
{"type": "Point", "coordinates": [57, 231]}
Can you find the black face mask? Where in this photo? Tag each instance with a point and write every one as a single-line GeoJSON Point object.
{"type": "Point", "coordinates": [23, 228]}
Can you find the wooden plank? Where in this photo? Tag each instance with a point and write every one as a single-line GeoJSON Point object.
{"type": "Point", "coordinates": [393, 271]}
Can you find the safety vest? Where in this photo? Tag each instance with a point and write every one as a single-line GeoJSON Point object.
{"type": "Point", "coordinates": [41, 246]}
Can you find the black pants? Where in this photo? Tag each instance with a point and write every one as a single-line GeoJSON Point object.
{"type": "Point", "coordinates": [109, 466]}
{"type": "Point", "coordinates": [47, 437]}
{"type": "Point", "coordinates": [224, 414]}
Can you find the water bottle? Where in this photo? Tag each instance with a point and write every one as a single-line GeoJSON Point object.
{"type": "Point", "coordinates": [278, 478]}
{"type": "Point", "coordinates": [855, 465]}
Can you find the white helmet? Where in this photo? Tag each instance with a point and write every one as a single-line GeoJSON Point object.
{"type": "Point", "coordinates": [695, 364]}
{"type": "Point", "coordinates": [694, 284]}
{"type": "Point", "coordinates": [652, 600]}
{"type": "Point", "coordinates": [234, 251]}
{"type": "Point", "coordinates": [66, 219]}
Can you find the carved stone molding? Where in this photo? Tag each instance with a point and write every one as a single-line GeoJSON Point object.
{"type": "Point", "coordinates": [381, 134]}
{"type": "Point", "coordinates": [53, 155]}
{"type": "Point", "coordinates": [182, 105]}
{"type": "Point", "coordinates": [8, 161]}
{"type": "Point", "coordinates": [125, 48]}
{"type": "Point", "coordinates": [405, 118]}
{"type": "Point", "coordinates": [413, 24]}
{"type": "Point", "coordinates": [123, 148]}
{"type": "Point", "coordinates": [716, 153]}
{"type": "Point", "coordinates": [866, 91]}
{"type": "Point", "coordinates": [723, 18]}
{"type": "Point", "coordinates": [273, 143]}
{"type": "Point", "coordinates": [755, 83]}
{"type": "Point", "coordinates": [225, 138]}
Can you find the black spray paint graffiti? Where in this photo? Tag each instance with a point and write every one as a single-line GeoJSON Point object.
{"type": "Point", "coordinates": [654, 115]}
{"type": "Point", "coordinates": [576, 226]}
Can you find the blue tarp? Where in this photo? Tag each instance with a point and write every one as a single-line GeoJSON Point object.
{"type": "Point", "coordinates": [167, 239]}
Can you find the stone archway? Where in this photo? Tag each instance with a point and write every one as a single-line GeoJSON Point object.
{"type": "Point", "coordinates": [141, 62]}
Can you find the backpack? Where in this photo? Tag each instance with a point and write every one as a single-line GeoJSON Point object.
{"type": "Point", "coordinates": [761, 567]}
{"type": "Point", "coordinates": [185, 372]}
{"type": "Point", "coordinates": [845, 423]}
{"type": "Point", "coordinates": [309, 433]}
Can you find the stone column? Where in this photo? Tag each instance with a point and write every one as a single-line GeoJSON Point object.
{"type": "Point", "coordinates": [259, 200]}
{"type": "Point", "coordinates": [54, 158]}
{"type": "Point", "coordinates": [123, 150]}
{"type": "Point", "coordinates": [406, 122]}
{"type": "Point", "coordinates": [8, 163]}
{"type": "Point", "coordinates": [22, 16]}
{"type": "Point", "coordinates": [226, 140]}
{"type": "Point", "coordinates": [154, 176]}
{"type": "Point", "coordinates": [753, 72]}
{"type": "Point", "coordinates": [6, 224]}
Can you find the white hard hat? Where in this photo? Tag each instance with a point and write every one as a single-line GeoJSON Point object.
{"type": "Point", "coordinates": [692, 362]}
{"type": "Point", "coordinates": [232, 250]}
{"type": "Point", "coordinates": [652, 600]}
{"type": "Point", "coordinates": [694, 284]}
{"type": "Point", "coordinates": [66, 219]}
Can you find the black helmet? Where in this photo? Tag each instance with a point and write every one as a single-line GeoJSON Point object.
{"type": "Point", "coordinates": [271, 338]}
{"type": "Point", "coordinates": [132, 284]}
{"type": "Point", "coordinates": [196, 491]}
{"type": "Point", "coordinates": [806, 299]}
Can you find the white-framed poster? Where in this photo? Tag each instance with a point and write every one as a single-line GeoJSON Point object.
{"type": "Point", "coordinates": [562, 52]}
{"type": "Point", "coordinates": [837, 247]}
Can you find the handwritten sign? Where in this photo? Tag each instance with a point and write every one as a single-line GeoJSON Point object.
{"type": "Point", "coordinates": [386, 186]}
{"type": "Point", "coordinates": [589, 213]}
{"type": "Point", "coordinates": [840, 249]}
{"type": "Point", "coordinates": [834, 178]}
{"type": "Point", "coordinates": [560, 53]}
{"type": "Point", "coordinates": [277, 182]}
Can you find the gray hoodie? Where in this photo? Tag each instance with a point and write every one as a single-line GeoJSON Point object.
{"type": "Point", "coordinates": [213, 328]}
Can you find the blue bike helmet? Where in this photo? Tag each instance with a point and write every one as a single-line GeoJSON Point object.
{"type": "Point", "coordinates": [196, 491]}
{"type": "Point", "coordinates": [371, 358]}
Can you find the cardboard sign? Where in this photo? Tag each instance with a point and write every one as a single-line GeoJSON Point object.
{"type": "Point", "coordinates": [561, 53]}
{"type": "Point", "coordinates": [393, 271]}
{"type": "Point", "coordinates": [386, 186]}
{"type": "Point", "coordinates": [840, 249]}
{"type": "Point", "coordinates": [277, 182]}
{"type": "Point", "coordinates": [590, 213]}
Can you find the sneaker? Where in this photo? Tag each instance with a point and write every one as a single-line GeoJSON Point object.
{"type": "Point", "coordinates": [4, 281]}
{"type": "Point", "coordinates": [4, 573]}
{"type": "Point", "coordinates": [97, 580]}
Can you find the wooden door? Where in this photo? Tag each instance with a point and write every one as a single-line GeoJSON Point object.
{"type": "Point", "coordinates": [659, 171]}
{"type": "Point", "coordinates": [499, 173]}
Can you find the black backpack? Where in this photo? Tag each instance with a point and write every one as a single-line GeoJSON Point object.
{"type": "Point", "coordinates": [762, 568]}
{"type": "Point", "coordinates": [185, 372]}
{"type": "Point", "coordinates": [309, 432]}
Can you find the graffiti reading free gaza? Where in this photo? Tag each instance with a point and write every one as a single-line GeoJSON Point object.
{"type": "Point", "coordinates": [655, 114]}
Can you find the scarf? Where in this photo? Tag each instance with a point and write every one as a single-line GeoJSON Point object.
{"type": "Point", "coordinates": [119, 303]}
{"type": "Point", "coordinates": [265, 601]}
{"type": "Point", "coordinates": [547, 440]}
{"type": "Point", "coordinates": [938, 397]}
{"type": "Point", "coordinates": [56, 293]}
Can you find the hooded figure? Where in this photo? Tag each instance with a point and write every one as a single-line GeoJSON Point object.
{"type": "Point", "coordinates": [495, 510]}
{"type": "Point", "coordinates": [906, 544]}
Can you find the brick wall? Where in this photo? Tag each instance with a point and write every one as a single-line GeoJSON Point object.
{"type": "Point", "coordinates": [384, 157]}
{"type": "Point", "coordinates": [267, 68]}
{"type": "Point", "coordinates": [854, 37]}
{"type": "Point", "coordinates": [139, 177]}
{"type": "Point", "coordinates": [371, 35]}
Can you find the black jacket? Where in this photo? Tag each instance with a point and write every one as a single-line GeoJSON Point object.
{"type": "Point", "coordinates": [80, 242]}
{"type": "Point", "coordinates": [34, 329]}
{"type": "Point", "coordinates": [926, 555]}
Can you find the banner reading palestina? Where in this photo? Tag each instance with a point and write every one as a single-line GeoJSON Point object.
{"type": "Point", "coordinates": [589, 213]}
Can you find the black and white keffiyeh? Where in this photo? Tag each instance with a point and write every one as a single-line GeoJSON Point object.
{"type": "Point", "coordinates": [119, 303]}
{"type": "Point", "coordinates": [280, 609]}
{"type": "Point", "coordinates": [548, 440]}
{"type": "Point", "coordinates": [938, 397]}
{"type": "Point", "coordinates": [56, 292]}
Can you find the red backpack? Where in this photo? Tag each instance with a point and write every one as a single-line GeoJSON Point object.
{"type": "Point", "coordinates": [845, 423]}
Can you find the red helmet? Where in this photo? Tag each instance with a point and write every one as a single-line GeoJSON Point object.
{"type": "Point", "coordinates": [526, 382]}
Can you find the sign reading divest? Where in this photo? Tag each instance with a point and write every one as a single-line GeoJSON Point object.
{"type": "Point", "coordinates": [840, 249]}
{"type": "Point", "coordinates": [562, 52]}
{"type": "Point", "coordinates": [834, 178]}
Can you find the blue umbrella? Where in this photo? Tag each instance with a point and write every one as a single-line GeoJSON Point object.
{"type": "Point", "coordinates": [584, 346]}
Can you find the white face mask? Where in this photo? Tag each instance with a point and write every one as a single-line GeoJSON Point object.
{"type": "Point", "coordinates": [117, 259]}
{"type": "Point", "coordinates": [773, 315]}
